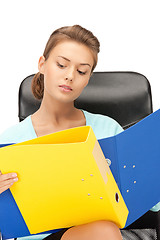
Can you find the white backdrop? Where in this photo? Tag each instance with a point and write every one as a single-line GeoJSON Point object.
{"type": "Point", "coordinates": [127, 30]}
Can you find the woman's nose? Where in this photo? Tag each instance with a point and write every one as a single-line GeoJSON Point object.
{"type": "Point", "coordinates": [70, 75]}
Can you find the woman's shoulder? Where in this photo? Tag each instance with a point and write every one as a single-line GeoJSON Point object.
{"type": "Point", "coordinates": [103, 126]}
{"type": "Point", "coordinates": [19, 132]}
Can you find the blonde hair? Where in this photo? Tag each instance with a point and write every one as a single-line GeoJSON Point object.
{"type": "Point", "coordinates": [76, 33]}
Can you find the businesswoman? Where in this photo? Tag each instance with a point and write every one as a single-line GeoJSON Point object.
{"type": "Point", "coordinates": [69, 58]}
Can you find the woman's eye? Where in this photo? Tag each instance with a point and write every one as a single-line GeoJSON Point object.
{"type": "Point", "coordinates": [60, 65]}
{"type": "Point", "coordinates": [82, 73]}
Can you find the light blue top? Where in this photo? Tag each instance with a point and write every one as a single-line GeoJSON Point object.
{"type": "Point", "coordinates": [102, 126]}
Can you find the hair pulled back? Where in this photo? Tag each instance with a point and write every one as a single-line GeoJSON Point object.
{"type": "Point", "coordinates": [76, 33]}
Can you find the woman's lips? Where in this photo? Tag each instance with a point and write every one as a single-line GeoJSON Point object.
{"type": "Point", "coordinates": [65, 88]}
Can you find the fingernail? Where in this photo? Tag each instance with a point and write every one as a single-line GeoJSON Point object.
{"type": "Point", "coordinates": [14, 174]}
{"type": "Point", "coordinates": [15, 179]}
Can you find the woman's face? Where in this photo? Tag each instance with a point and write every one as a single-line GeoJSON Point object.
{"type": "Point", "coordinates": [67, 70]}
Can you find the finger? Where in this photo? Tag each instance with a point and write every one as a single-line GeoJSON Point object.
{"type": "Point", "coordinates": [2, 189]}
{"type": "Point", "coordinates": [7, 176]}
{"type": "Point", "coordinates": [8, 182]}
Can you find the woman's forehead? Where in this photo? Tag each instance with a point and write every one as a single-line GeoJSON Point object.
{"type": "Point", "coordinates": [73, 51]}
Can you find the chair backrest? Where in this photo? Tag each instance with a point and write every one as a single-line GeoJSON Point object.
{"type": "Point", "coordinates": [124, 96]}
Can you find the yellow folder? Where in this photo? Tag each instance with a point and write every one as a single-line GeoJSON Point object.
{"type": "Point", "coordinates": [64, 181]}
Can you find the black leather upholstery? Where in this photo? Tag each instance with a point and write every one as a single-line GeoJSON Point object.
{"type": "Point", "coordinates": [124, 96]}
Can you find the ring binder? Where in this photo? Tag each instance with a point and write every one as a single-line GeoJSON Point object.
{"type": "Point", "coordinates": [77, 185]}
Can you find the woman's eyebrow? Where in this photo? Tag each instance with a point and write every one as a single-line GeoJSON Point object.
{"type": "Point", "coordinates": [70, 60]}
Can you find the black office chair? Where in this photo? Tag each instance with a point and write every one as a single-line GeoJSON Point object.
{"type": "Point", "coordinates": [124, 96]}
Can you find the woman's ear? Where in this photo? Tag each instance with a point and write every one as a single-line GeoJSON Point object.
{"type": "Point", "coordinates": [41, 64]}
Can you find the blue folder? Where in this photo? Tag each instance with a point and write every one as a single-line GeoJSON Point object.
{"type": "Point", "coordinates": [135, 164]}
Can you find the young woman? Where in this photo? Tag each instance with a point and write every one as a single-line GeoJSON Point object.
{"type": "Point", "coordinates": [69, 59]}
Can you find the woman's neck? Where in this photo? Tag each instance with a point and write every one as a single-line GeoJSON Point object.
{"type": "Point", "coordinates": [56, 112]}
{"type": "Point", "coordinates": [54, 116]}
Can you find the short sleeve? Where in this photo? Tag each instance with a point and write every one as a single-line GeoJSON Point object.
{"type": "Point", "coordinates": [156, 208]}
{"type": "Point", "coordinates": [19, 132]}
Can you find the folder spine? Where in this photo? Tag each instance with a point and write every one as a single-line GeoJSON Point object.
{"type": "Point", "coordinates": [109, 148]}
{"type": "Point", "coordinates": [117, 163]}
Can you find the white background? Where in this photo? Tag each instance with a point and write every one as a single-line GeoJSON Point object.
{"type": "Point", "coordinates": [129, 33]}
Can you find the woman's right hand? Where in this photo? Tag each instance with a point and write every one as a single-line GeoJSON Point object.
{"type": "Point", "coordinates": [7, 180]}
